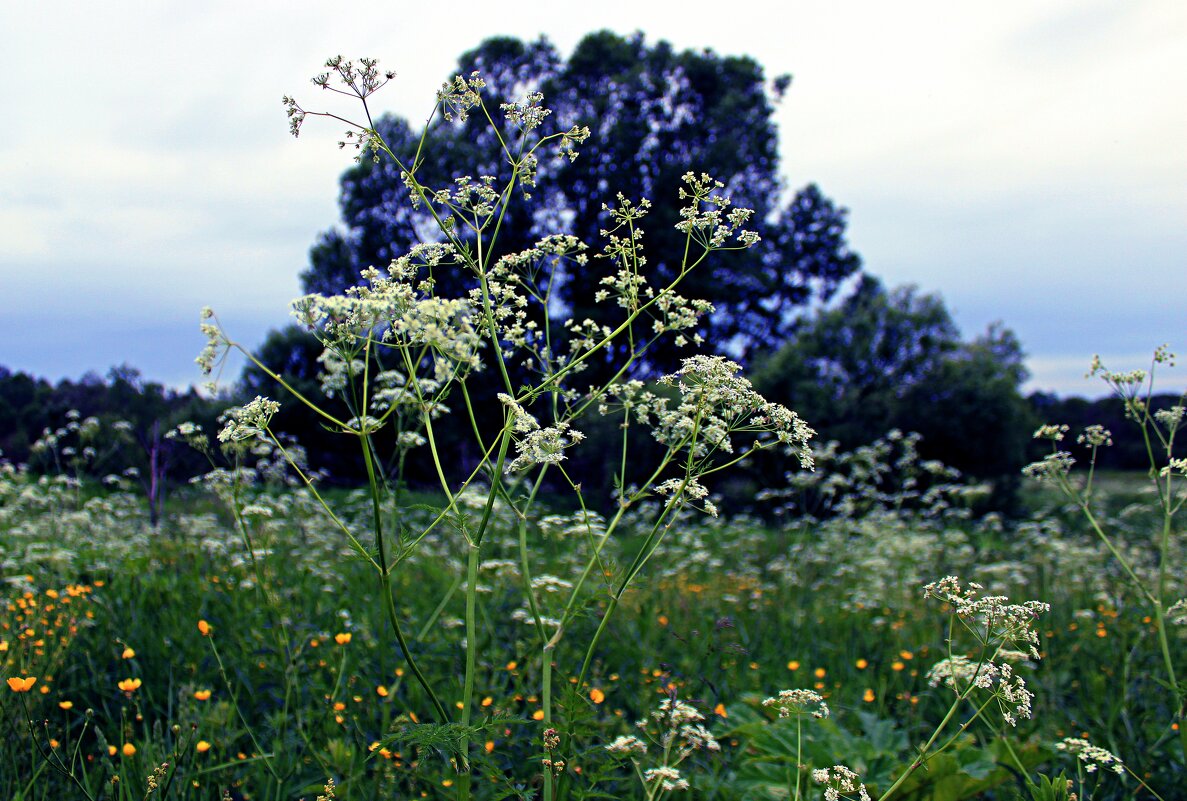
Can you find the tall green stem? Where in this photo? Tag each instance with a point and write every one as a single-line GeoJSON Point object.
{"type": "Point", "coordinates": [918, 762]}
{"type": "Point", "coordinates": [471, 667]}
{"type": "Point", "coordinates": [385, 583]}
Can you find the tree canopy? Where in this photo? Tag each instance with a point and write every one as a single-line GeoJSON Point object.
{"type": "Point", "coordinates": [655, 114]}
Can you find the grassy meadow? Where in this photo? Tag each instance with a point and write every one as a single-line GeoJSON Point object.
{"type": "Point", "coordinates": [243, 644]}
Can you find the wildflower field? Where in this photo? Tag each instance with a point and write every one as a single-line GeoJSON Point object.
{"type": "Point", "coordinates": [504, 631]}
{"type": "Point", "coordinates": [266, 670]}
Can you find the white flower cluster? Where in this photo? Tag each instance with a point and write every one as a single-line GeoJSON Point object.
{"type": "Point", "coordinates": [570, 139]}
{"type": "Point", "coordinates": [247, 421]}
{"type": "Point", "coordinates": [667, 777]}
{"type": "Point", "coordinates": [715, 402]}
{"type": "Point", "coordinates": [1054, 433]}
{"type": "Point", "coordinates": [527, 115]}
{"type": "Point", "coordinates": [678, 313]}
{"type": "Point", "coordinates": [461, 94]}
{"type": "Point", "coordinates": [362, 83]}
{"type": "Point", "coordinates": [510, 282]}
{"type": "Point", "coordinates": [585, 335]}
{"type": "Point", "coordinates": [840, 782]}
{"type": "Point", "coordinates": [1172, 417]}
{"type": "Point", "coordinates": [958, 672]}
{"type": "Point", "coordinates": [1050, 467]}
{"type": "Point", "coordinates": [1174, 465]}
{"type": "Point", "coordinates": [677, 729]}
{"type": "Point", "coordinates": [396, 311]}
{"type": "Point", "coordinates": [473, 198]}
{"type": "Point", "coordinates": [537, 445]}
{"type": "Point", "coordinates": [624, 248]}
{"type": "Point", "coordinates": [991, 619]}
{"type": "Point", "coordinates": [681, 728]}
{"type": "Point", "coordinates": [189, 433]}
{"type": "Point", "coordinates": [1094, 436]}
{"type": "Point", "coordinates": [216, 341]}
{"type": "Point", "coordinates": [1004, 630]}
{"type": "Point", "coordinates": [797, 702]}
{"type": "Point", "coordinates": [551, 584]}
{"type": "Point", "coordinates": [705, 218]}
{"type": "Point", "coordinates": [627, 744]}
{"type": "Point", "coordinates": [1091, 755]}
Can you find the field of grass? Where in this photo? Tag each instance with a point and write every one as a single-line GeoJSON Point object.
{"type": "Point", "coordinates": [253, 655]}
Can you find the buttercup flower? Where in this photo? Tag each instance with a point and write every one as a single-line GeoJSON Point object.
{"type": "Point", "coordinates": [21, 685]}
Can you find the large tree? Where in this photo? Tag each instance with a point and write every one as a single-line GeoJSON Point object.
{"type": "Point", "coordinates": [655, 114]}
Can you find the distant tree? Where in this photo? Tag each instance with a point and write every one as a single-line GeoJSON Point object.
{"type": "Point", "coordinates": [849, 367]}
{"type": "Point", "coordinates": [23, 401]}
{"type": "Point", "coordinates": [971, 411]}
{"type": "Point", "coordinates": [895, 359]}
{"type": "Point", "coordinates": [655, 114]}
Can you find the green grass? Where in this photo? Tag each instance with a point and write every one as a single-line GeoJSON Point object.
{"type": "Point", "coordinates": [727, 613]}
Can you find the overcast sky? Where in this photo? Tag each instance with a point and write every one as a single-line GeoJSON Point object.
{"type": "Point", "coordinates": [1026, 160]}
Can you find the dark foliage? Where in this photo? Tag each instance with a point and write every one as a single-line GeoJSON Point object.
{"type": "Point", "coordinates": [894, 359]}
{"type": "Point", "coordinates": [30, 406]}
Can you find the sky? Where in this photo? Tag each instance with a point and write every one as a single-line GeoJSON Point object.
{"type": "Point", "coordinates": [1025, 160]}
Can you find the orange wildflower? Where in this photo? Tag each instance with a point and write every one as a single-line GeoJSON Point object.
{"type": "Point", "coordinates": [129, 685]}
{"type": "Point", "coordinates": [21, 685]}
{"type": "Point", "coordinates": [597, 696]}
{"type": "Point", "coordinates": [204, 628]}
{"type": "Point", "coordinates": [202, 695]}
{"type": "Point", "coordinates": [343, 638]}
